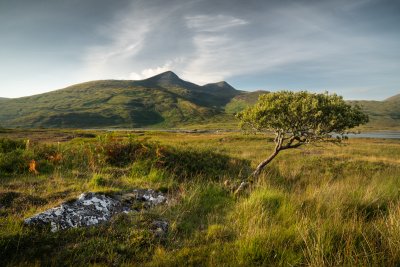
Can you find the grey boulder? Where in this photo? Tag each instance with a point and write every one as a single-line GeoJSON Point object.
{"type": "Point", "coordinates": [95, 208]}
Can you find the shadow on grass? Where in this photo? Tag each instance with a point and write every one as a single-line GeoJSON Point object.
{"type": "Point", "coordinates": [197, 208]}
{"type": "Point", "coordinates": [126, 238]}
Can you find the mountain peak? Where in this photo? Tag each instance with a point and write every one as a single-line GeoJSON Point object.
{"type": "Point", "coordinates": [167, 76]}
{"type": "Point", "coordinates": [223, 84]}
{"type": "Point", "coordinates": [167, 79]}
{"type": "Point", "coordinates": [220, 85]}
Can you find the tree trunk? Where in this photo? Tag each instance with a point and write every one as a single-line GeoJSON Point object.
{"type": "Point", "coordinates": [264, 163]}
{"type": "Point", "coordinates": [278, 147]}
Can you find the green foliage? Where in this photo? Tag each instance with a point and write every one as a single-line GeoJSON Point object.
{"type": "Point", "coordinates": [12, 159]}
{"type": "Point", "coordinates": [302, 114]}
{"type": "Point", "coordinates": [145, 158]}
{"type": "Point", "coordinates": [13, 162]}
{"type": "Point", "coordinates": [298, 118]}
{"type": "Point", "coordinates": [98, 180]}
{"type": "Point", "coordinates": [180, 162]}
{"type": "Point", "coordinates": [189, 162]}
{"type": "Point", "coordinates": [9, 145]}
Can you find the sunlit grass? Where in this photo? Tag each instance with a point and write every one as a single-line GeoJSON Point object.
{"type": "Point", "coordinates": [319, 205]}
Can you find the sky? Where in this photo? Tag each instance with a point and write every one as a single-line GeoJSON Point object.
{"type": "Point", "coordinates": [351, 48]}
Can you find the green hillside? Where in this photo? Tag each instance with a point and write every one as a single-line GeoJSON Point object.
{"type": "Point", "coordinates": [163, 100]}
{"type": "Point", "coordinates": [242, 101]}
{"type": "Point", "coordinates": [383, 114]}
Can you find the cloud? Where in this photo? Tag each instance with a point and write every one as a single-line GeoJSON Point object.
{"type": "Point", "coordinates": [311, 45]}
{"type": "Point", "coordinates": [125, 40]}
{"type": "Point", "coordinates": [223, 49]}
{"type": "Point", "coordinates": [149, 72]}
{"type": "Point", "coordinates": [210, 23]}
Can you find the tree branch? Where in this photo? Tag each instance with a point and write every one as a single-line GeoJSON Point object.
{"type": "Point", "coordinates": [292, 146]}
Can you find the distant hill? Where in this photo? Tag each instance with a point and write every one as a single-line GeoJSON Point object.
{"type": "Point", "coordinates": [395, 98]}
{"type": "Point", "coordinates": [161, 101]}
{"type": "Point", "coordinates": [383, 114]}
{"type": "Point", "coordinates": [242, 101]}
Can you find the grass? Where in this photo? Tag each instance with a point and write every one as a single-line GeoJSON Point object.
{"type": "Point", "coordinates": [315, 206]}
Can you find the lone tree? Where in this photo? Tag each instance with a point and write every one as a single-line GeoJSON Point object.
{"type": "Point", "coordinates": [299, 118]}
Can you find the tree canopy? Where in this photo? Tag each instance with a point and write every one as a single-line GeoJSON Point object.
{"type": "Point", "coordinates": [298, 118]}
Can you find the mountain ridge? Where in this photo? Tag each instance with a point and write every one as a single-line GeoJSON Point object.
{"type": "Point", "coordinates": [163, 101]}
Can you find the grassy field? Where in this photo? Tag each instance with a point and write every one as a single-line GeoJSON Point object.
{"type": "Point", "coordinates": [316, 206]}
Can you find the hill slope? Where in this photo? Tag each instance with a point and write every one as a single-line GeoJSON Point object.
{"type": "Point", "coordinates": [242, 101]}
{"type": "Point", "coordinates": [395, 98]}
{"type": "Point", "coordinates": [163, 100]}
{"type": "Point", "coordinates": [383, 114]}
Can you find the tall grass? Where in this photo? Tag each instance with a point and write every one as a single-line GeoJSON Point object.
{"type": "Point", "coordinates": [318, 206]}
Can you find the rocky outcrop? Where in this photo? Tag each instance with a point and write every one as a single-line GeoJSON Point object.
{"type": "Point", "coordinates": [95, 208]}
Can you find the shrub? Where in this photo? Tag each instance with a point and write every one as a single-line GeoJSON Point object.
{"type": "Point", "coordinates": [187, 162]}
{"type": "Point", "coordinates": [98, 180]}
{"type": "Point", "coordinates": [13, 162]}
{"type": "Point", "coordinates": [122, 153]}
{"type": "Point", "coordinates": [9, 145]}
{"type": "Point", "coordinates": [12, 158]}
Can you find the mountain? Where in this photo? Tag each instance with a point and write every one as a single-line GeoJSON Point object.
{"type": "Point", "coordinates": [161, 101]}
{"type": "Point", "coordinates": [383, 114]}
{"type": "Point", "coordinates": [164, 100]}
{"type": "Point", "coordinates": [395, 98]}
{"type": "Point", "coordinates": [242, 101]}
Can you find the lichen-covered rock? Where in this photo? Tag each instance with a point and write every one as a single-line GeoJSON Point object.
{"type": "Point", "coordinates": [160, 228]}
{"type": "Point", "coordinates": [148, 196]}
{"type": "Point", "coordinates": [93, 208]}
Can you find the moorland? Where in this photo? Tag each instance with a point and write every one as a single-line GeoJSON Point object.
{"type": "Point", "coordinates": [317, 206]}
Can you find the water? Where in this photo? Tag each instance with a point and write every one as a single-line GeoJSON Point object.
{"type": "Point", "coordinates": [381, 135]}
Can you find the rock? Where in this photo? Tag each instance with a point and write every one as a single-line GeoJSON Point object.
{"type": "Point", "coordinates": [148, 196]}
{"type": "Point", "coordinates": [93, 208]}
{"type": "Point", "coordinates": [160, 228]}
{"type": "Point", "coordinates": [152, 198]}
